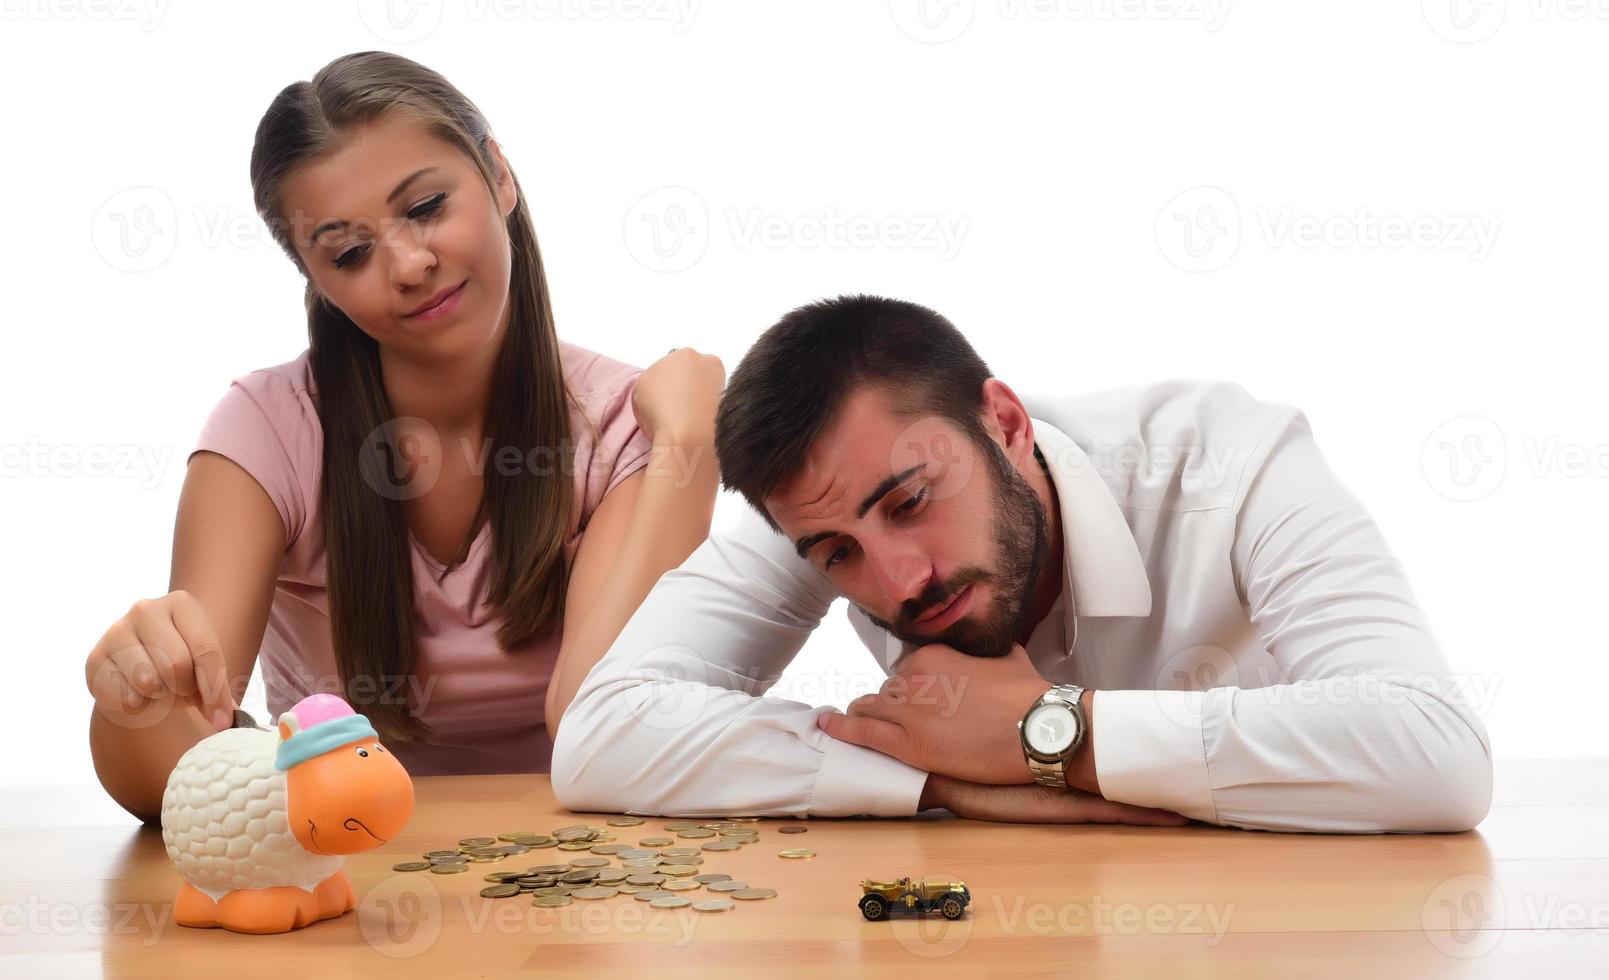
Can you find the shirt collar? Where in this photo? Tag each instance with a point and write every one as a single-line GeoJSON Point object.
{"type": "Point", "coordinates": [1103, 574]}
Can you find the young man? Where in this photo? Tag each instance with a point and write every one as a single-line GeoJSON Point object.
{"type": "Point", "coordinates": [1164, 584]}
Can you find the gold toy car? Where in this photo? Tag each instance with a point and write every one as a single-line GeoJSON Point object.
{"type": "Point", "coordinates": [944, 895]}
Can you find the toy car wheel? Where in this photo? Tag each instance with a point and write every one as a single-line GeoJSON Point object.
{"type": "Point", "coordinates": [951, 908]}
{"type": "Point", "coordinates": [874, 908]}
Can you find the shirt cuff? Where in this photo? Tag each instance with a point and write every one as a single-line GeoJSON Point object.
{"type": "Point", "coordinates": [854, 780]}
{"type": "Point", "coordinates": [1148, 751]}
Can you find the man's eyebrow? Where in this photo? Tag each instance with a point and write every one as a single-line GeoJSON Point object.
{"type": "Point", "coordinates": [312, 240]}
{"type": "Point", "coordinates": [803, 545]}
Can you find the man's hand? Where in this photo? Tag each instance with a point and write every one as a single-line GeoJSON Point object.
{"type": "Point", "coordinates": [1037, 804]}
{"type": "Point", "coordinates": [949, 713]}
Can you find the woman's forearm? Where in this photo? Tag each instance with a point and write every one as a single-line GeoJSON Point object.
{"type": "Point", "coordinates": [670, 519]}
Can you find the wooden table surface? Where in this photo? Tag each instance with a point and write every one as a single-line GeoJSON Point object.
{"type": "Point", "coordinates": [85, 890]}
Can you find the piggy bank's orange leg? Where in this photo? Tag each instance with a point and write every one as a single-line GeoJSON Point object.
{"type": "Point", "coordinates": [334, 896]}
{"type": "Point", "coordinates": [193, 908]}
{"type": "Point", "coordinates": [267, 910]}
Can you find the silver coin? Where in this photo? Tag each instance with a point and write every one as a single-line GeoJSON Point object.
{"type": "Point", "coordinates": [669, 902]}
{"type": "Point", "coordinates": [718, 905]}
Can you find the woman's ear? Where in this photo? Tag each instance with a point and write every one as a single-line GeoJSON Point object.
{"type": "Point", "coordinates": [507, 195]}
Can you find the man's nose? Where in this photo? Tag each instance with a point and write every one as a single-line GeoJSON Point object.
{"type": "Point", "coordinates": [901, 575]}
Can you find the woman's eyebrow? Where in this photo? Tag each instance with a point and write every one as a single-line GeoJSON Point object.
{"type": "Point", "coordinates": [312, 239]}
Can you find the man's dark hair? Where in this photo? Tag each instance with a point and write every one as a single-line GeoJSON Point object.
{"type": "Point", "coordinates": [792, 382]}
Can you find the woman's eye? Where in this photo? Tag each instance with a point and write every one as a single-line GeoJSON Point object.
{"type": "Point", "coordinates": [424, 210]}
{"type": "Point", "coordinates": [429, 207]}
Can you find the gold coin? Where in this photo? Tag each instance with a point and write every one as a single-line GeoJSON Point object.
{"type": "Point", "coordinates": [706, 879]}
{"type": "Point", "coordinates": [690, 860]}
{"type": "Point", "coordinates": [680, 885]}
{"type": "Point", "coordinates": [640, 863]}
{"type": "Point", "coordinates": [504, 890]}
{"type": "Point", "coordinates": [500, 876]}
{"type": "Point", "coordinates": [797, 852]}
{"type": "Point", "coordinates": [650, 894]}
{"type": "Point", "coordinates": [678, 870]}
{"type": "Point", "coordinates": [754, 894]}
{"type": "Point", "coordinates": [656, 842]}
{"type": "Point", "coordinates": [551, 901]}
{"type": "Point", "coordinates": [669, 902]}
{"type": "Point", "coordinates": [626, 821]}
{"type": "Point", "coordinates": [718, 905]}
{"type": "Point", "coordinates": [720, 825]}
{"type": "Point", "coordinates": [645, 879]}
{"type": "Point", "coordinates": [609, 848]}
{"type": "Point", "coordinates": [637, 852]}
{"type": "Point", "coordinates": [697, 833]}
{"type": "Point", "coordinates": [411, 866]}
{"type": "Point", "coordinates": [626, 889]}
{"type": "Point", "coordinates": [485, 858]}
{"type": "Point", "coordinates": [726, 886]}
{"type": "Point", "coordinates": [440, 854]}
{"type": "Point", "coordinates": [541, 842]}
{"type": "Point", "coordinates": [589, 862]}
{"type": "Point", "coordinates": [454, 868]}
{"type": "Point", "coordinates": [477, 842]}
{"type": "Point", "coordinates": [575, 845]}
{"type": "Point", "coordinates": [516, 835]}
{"type": "Point", "coordinates": [679, 852]}
{"type": "Point", "coordinates": [491, 852]}
{"type": "Point", "coordinates": [793, 828]}
{"type": "Point", "coordinates": [578, 876]}
{"type": "Point", "coordinates": [594, 894]}
{"type": "Point", "coordinates": [681, 825]}
{"type": "Point", "coordinates": [572, 827]}
{"type": "Point", "coordinates": [611, 876]}
{"type": "Point", "coordinates": [550, 890]}
{"type": "Point", "coordinates": [722, 845]}
{"type": "Point", "coordinates": [747, 818]}
{"type": "Point", "coordinates": [547, 869]}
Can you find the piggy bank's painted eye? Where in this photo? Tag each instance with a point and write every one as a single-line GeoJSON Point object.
{"type": "Point", "coordinates": [363, 752]}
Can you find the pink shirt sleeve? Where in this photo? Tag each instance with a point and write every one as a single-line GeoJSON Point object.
{"type": "Point", "coordinates": [604, 389]}
{"type": "Point", "coordinates": [267, 424]}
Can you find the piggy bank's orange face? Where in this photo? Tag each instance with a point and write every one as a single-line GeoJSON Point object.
{"type": "Point", "coordinates": [349, 799]}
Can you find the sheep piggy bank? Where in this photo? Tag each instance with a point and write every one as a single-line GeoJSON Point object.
{"type": "Point", "coordinates": [259, 823]}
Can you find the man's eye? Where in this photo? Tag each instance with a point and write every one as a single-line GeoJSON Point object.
{"type": "Point", "coordinates": [910, 504]}
{"type": "Point", "coordinates": [834, 558]}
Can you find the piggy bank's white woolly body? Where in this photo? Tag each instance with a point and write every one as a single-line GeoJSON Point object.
{"type": "Point", "coordinates": [223, 818]}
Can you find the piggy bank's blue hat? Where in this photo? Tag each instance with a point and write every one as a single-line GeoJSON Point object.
{"type": "Point", "coordinates": [317, 724]}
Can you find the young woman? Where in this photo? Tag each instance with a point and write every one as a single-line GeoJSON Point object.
{"type": "Point", "coordinates": [440, 510]}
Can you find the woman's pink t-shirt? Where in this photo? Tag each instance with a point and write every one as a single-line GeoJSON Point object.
{"type": "Point", "coordinates": [484, 705]}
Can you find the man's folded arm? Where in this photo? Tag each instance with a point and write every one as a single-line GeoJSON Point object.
{"type": "Point", "coordinates": [671, 721]}
{"type": "Point", "coordinates": [1366, 730]}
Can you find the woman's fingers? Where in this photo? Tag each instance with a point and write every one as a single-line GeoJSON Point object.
{"type": "Point", "coordinates": [210, 672]}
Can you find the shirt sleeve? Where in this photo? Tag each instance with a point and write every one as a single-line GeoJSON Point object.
{"type": "Point", "coordinates": [1366, 730]}
{"type": "Point", "coordinates": [673, 721]}
{"type": "Point", "coordinates": [270, 430]}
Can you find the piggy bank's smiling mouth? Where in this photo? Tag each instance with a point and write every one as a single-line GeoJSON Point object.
{"type": "Point", "coordinates": [348, 824]}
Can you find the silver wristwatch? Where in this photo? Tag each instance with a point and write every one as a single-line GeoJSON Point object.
{"type": "Point", "coordinates": [1052, 732]}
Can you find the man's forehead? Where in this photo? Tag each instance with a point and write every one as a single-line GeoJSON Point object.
{"type": "Point", "coordinates": [867, 444]}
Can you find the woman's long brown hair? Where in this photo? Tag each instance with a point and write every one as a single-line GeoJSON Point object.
{"type": "Point", "coordinates": [370, 571]}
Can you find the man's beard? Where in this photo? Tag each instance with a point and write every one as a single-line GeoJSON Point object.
{"type": "Point", "coordinates": [1019, 518]}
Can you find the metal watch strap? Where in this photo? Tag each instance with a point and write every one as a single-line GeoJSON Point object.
{"type": "Point", "coordinates": [1054, 774]}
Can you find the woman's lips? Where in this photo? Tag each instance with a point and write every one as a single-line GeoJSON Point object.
{"type": "Point", "coordinates": [446, 306]}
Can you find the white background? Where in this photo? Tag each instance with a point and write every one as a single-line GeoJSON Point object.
{"type": "Point", "coordinates": [1389, 214]}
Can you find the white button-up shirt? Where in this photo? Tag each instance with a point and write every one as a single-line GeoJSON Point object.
{"type": "Point", "coordinates": [1258, 657]}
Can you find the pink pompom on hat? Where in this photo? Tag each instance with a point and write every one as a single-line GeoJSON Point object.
{"type": "Point", "coordinates": [318, 723]}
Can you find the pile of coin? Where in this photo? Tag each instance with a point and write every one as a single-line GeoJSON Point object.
{"type": "Point", "coordinates": [657, 871]}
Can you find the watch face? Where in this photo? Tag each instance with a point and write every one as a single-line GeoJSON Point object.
{"type": "Point", "coordinates": [1050, 728]}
